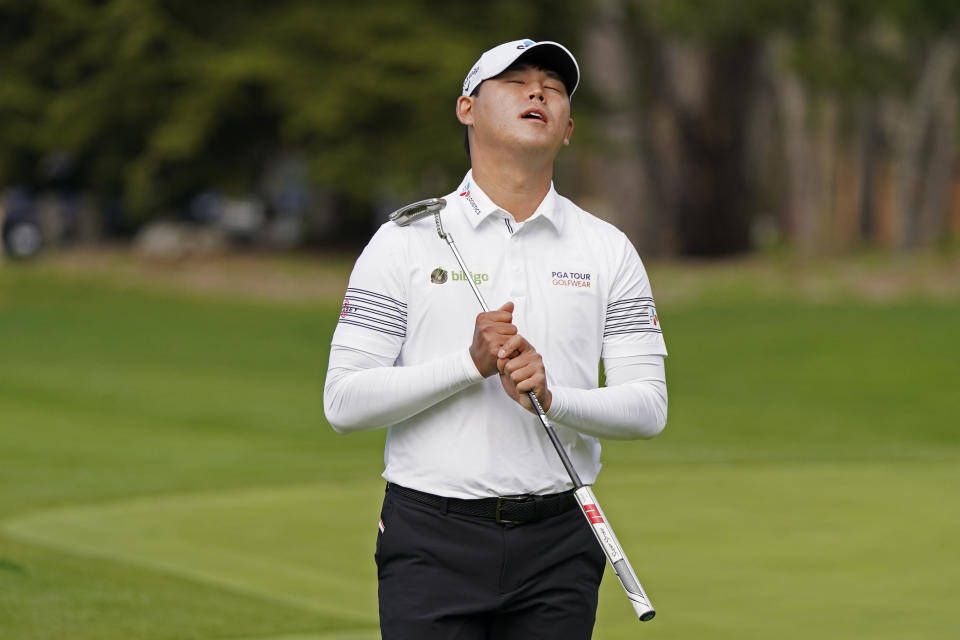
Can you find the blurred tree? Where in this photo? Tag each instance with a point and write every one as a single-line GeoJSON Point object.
{"type": "Point", "coordinates": [681, 85]}
{"type": "Point", "coordinates": [158, 99]}
{"type": "Point", "coordinates": [868, 94]}
{"type": "Point", "coordinates": [734, 121]}
{"type": "Point", "coordinates": [704, 127]}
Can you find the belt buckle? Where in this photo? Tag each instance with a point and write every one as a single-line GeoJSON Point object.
{"type": "Point", "coordinates": [501, 500]}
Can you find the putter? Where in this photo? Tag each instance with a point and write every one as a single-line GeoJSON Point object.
{"type": "Point", "coordinates": [583, 493]}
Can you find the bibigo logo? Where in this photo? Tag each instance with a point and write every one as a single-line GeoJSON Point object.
{"type": "Point", "coordinates": [441, 275]}
{"type": "Point", "coordinates": [478, 278]}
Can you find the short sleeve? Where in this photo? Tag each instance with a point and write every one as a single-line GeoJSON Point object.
{"type": "Point", "coordinates": [373, 316]}
{"type": "Point", "coordinates": [631, 325]}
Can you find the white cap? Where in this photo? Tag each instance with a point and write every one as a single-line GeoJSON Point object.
{"type": "Point", "coordinates": [495, 61]}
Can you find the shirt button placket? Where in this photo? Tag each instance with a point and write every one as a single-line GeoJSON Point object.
{"type": "Point", "coordinates": [518, 286]}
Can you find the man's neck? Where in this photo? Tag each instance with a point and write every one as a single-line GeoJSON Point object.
{"type": "Point", "coordinates": [516, 187]}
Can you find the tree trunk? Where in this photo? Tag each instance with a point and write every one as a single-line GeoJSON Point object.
{"type": "Point", "coordinates": [936, 180]}
{"type": "Point", "coordinates": [912, 126]}
{"type": "Point", "coordinates": [707, 91]}
{"type": "Point", "coordinates": [800, 203]}
{"type": "Point", "coordinates": [621, 178]}
{"type": "Point", "coordinates": [852, 168]}
{"type": "Point", "coordinates": [820, 174]}
{"type": "Point", "coordinates": [953, 223]}
{"type": "Point", "coordinates": [676, 139]}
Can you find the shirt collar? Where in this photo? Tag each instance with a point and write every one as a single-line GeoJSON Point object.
{"type": "Point", "coordinates": [477, 206]}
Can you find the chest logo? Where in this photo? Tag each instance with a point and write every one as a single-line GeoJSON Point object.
{"type": "Point", "coordinates": [577, 279]}
{"type": "Point", "coordinates": [438, 275]}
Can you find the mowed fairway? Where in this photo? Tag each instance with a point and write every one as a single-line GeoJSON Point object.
{"type": "Point", "coordinates": [166, 471]}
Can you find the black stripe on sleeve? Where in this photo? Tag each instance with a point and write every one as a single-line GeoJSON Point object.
{"type": "Point", "coordinates": [374, 311]}
{"type": "Point", "coordinates": [631, 315]}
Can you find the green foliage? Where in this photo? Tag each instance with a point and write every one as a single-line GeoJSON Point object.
{"type": "Point", "coordinates": [720, 21]}
{"type": "Point", "coordinates": [845, 46]}
{"type": "Point", "coordinates": [156, 99]}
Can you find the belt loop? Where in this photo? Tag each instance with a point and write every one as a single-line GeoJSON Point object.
{"type": "Point", "coordinates": [443, 506]}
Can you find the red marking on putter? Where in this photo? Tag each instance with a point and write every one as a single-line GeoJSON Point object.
{"type": "Point", "coordinates": [382, 528]}
{"type": "Point", "coordinates": [593, 514]}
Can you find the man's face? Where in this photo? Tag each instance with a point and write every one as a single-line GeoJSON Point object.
{"type": "Point", "coordinates": [524, 109]}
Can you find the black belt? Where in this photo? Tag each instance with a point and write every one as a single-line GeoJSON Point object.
{"type": "Point", "coordinates": [504, 509]}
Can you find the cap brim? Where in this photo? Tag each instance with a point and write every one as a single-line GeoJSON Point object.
{"type": "Point", "coordinates": [556, 58]}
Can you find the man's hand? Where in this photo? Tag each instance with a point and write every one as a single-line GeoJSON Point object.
{"type": "Point", "coordinates": [521, 371]}
{"type": "Point", "coordinates": [491, 331]}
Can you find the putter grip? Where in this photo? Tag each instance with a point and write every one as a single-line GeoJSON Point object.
{"type": "Point", "coordinates": [611, 548]}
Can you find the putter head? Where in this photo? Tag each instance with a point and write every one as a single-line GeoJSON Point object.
{"type": "Point", "coordinates": [413, 212]}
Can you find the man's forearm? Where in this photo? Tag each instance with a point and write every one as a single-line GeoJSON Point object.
{"type": "Point", "coordinates": [634, 405]}
{"type": "Point", "coordinates": [364, 391]}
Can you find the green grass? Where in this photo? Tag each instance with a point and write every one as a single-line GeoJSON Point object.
{"type": "Point", "coordinates": [166, 471]}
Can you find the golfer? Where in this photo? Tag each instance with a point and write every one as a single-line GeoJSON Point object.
{"type": "Point", "coordinates": [479, 535]}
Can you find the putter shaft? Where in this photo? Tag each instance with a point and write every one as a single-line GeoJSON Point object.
{"type": "Point", "coordinates": [584, 494]}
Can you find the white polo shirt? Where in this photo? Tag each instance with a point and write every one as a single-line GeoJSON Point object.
{"type": "Point", "coordinates": [580, 293]}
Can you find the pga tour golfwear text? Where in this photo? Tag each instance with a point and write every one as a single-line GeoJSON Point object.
{"type": "Point", "coordinates": [580, 293]}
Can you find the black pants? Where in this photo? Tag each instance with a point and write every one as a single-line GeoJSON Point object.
{"type": "Point", "coordinates": [446, 576]}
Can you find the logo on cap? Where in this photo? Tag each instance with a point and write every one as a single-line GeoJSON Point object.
{"type": "Point", "coordinates": [525, 44]}
{"type": "Point", "coordinates": [473, 72]}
